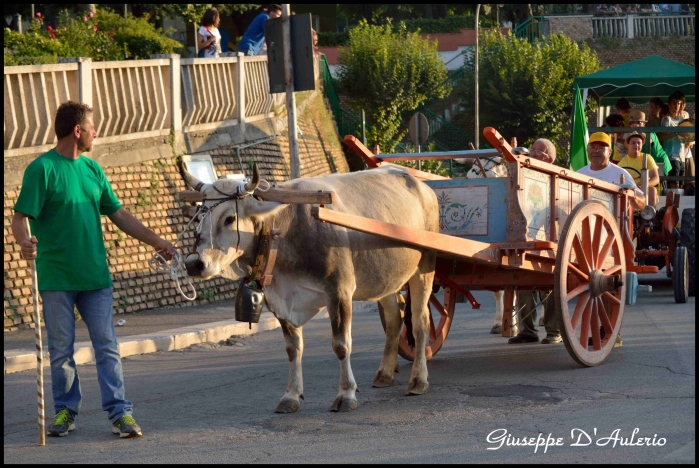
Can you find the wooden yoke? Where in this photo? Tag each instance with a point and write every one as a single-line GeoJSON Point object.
{"type": "Point", "coordinates": [275, 194]}
{"type": "Point", "coordinates": [499, 143]}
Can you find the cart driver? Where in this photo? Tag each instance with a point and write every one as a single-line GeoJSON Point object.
{"type": "Point", "coordinates": [528, 300]}
{"type": "Point", "coordinates": [599, 150]}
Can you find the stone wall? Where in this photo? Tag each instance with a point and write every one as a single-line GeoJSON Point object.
{"type": "Point", "coordinates": [576, 27]}
{"type": "Point", "coordinates": [616, 51]}
{"type": "Point", "coordinates": [148, 189]}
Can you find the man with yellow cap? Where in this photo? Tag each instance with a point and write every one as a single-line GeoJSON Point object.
{"type": "Point", "coordinates": [599, 151]}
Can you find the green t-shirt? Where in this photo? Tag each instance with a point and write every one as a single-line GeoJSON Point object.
{"type": "Point", "coordinates": [65, 199]}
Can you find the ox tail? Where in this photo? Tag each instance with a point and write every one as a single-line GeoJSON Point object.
{"type": "Point", "coordinates": [408, 321]}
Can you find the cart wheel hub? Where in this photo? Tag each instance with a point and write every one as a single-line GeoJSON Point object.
{"type": "Point", "coordinates": [601, 283]}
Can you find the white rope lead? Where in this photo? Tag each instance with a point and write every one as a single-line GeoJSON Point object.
{"type": "Point", "coordinates": [176, 268]}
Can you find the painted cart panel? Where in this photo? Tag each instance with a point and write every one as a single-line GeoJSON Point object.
{"type": "Point", "coordinates": [472, 208]}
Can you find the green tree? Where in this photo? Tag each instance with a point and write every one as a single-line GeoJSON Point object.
{"type": "Point", "coordinates": [387, 73]}
{"type": "Point", "coordinates": [105, 35]}
{"type": "Point", "coordinates": [526, 89]}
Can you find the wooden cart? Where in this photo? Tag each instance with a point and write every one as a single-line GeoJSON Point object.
{"type": "Point", "coordinates": [543, 227]}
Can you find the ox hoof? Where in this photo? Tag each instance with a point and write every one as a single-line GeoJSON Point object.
{"type": "Point", "coordinates": [417, 388]}
{"type": "Point", "coordinates": [397, 370]}
{"type": "Point", "coordinates": [287, 406]}
{"type": "Point", "coordinates": [496, 330]}
{"type": "Point", "coordinates": [382, 380]}
{"type": "Point", "coordinates": [343, 404]}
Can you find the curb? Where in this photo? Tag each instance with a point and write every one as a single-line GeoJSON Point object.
{"type": "Point", "coordinates": [18, 360]}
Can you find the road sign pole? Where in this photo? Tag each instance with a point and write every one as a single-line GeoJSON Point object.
{"type": "Point", "coordinates": [290, 99]}
{"type": "Point", "coordinates": [477, 138]}
{"type": "Point", "coordinates": [417, 123]}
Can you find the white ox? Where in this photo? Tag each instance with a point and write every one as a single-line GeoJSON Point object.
{"type": "Point", "coordinates": [323, 265]}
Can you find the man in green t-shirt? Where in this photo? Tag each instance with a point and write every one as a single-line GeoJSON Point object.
{"type": "Point", "coordinates": [64, 194]}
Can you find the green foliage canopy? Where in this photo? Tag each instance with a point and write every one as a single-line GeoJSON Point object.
{"type": "Point", "coordinates": [526, 89]}
{"type": "Point", "coordinates": [448, 24]}
{"type": "Point", "coordinates": [387, 73]}
{"type": "Point", "coordinates": [103, 36]}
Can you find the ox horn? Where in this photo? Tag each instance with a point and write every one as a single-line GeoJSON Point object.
{"type": "Point", "coordinates": [192, 181]}
{"type": "Point", "coordinates": [255, 182]}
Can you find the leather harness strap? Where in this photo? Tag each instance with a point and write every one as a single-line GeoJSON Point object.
{"type": "Point", "coordinates": [265, 255]}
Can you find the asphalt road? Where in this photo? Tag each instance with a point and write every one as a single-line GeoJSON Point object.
{"type": "Point", "coordinates": [214, 404]}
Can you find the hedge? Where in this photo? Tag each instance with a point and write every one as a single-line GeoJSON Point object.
{"type": "Point", "coordinates": [450, 24]}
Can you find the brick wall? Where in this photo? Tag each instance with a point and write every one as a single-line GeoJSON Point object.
{"type": "Point", "coordinates": [148, 190]}
{"type": "Point", "coordinates": [576, 27]}
{"type": "Point", "coordinates": [614, 52]}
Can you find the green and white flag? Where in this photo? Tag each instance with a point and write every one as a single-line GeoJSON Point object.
{"type": "Point", "coordinates": [578, 150]}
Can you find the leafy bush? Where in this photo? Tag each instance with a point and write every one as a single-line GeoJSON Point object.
{"type": "Point", "coordinates": [450, 24]}
{"type": "Point", "coordinates": [333, 39]}
{"type": "Point", "coordinates": [526, 89]}
{"type": "Point", "coordinates": [388, 73]}
{"type": "Point", "coordinates": [141, 38]}
{"type": "Point", "coordinates": [102, 36]}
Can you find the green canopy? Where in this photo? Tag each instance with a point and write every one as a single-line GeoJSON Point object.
{"type": "Point", "coordinates": [639, 81]}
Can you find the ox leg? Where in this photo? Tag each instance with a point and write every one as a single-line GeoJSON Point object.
{"type": "Point", "coordinates": [420, 289]}
{"type": "Point", "coordinates": [393, 324]}
{"type": "Point", "coordinates": [294, 388]}
{"type": "Point", "coordinates": [499, 307]}
{"type": "Point", "coordinates": [340, 311]}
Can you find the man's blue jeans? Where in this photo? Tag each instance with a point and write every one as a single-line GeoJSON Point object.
{"type": "Point", "coordinates": [95, 308]}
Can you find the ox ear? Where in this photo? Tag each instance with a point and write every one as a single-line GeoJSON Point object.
{"type": "Point", "coordinates": [263, 209]}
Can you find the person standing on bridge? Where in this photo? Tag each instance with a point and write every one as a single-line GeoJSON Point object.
{"type": "Point", "coordinates": [65, 194]}
{"type": "Point", "coordinates": [209, 37]}
{"type": "Point", "coordinates": [254, 37]}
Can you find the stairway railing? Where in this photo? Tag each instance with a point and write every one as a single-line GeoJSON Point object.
{"type": "Point", "coordinates": [533, 28]}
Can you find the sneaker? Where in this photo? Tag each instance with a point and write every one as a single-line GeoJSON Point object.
{"type": "Point", "coordinates": [522, 338]}
{"type": "Point", "coordinates": [63, 423]}
{"type": "Point", "coordinates": [126, 427]}
{"type": "Point", "coordinates": [496, 330]}
{"type": "Point", "coordinates": [618, 342]}
{"type": "Point", "coordinates": [552, 339]}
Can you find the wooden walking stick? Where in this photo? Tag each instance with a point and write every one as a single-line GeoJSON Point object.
{"type": "Point", "coordinates": [39, 349]}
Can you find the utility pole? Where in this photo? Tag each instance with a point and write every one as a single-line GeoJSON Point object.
{"type": "Point", "coordinates": [477, 136]}
{"type": "Point", "coordinates": [290, 99]}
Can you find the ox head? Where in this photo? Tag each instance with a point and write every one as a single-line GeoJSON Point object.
{"type": "Point", "coordinates": [226, 237]}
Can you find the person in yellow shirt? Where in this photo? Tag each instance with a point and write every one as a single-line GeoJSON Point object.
{"type": "Point", "coordinates": [623, 107]}
{"type": "Point", "coordinates": [633, 163]}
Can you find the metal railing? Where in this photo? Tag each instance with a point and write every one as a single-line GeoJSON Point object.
{"type": "Point", "coordinates": [533, 28]}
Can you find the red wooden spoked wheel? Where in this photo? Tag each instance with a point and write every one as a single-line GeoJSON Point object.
{"type": "Point", "coordinates": [588, 280]}
{"type": "Point", "coordinates": [441, 314]}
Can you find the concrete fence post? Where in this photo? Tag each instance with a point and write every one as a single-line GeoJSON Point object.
{"type": "Point", "coordinates": [629, 26]}
{"type": "Point", "coordinates": [175, 92]}
{"type": "Point", "coordinates": [84, 77]}
{"type": "Point", "coordinates": [240, 91]}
